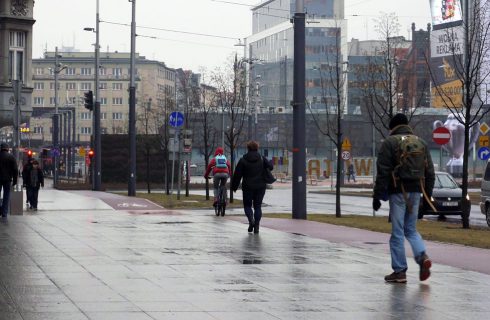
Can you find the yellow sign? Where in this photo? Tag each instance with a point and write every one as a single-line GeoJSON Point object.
{"type": "Point", "coordinates": [24, 130]}
{"type": "Point", "coordinates": [484, 128]}
{"type": "Point", "coordinates": [81, 151]}
{"type": "Point", "coordinates": [484, 141]}
{"type": "Point", "coordinates": [346, 145]}
{"type": "Point", "coordinates": [449, 94]}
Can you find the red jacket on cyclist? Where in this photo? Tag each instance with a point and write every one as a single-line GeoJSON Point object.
{"type": "Point", "coordinates": [212, 164]}
{"type": "Point", "coordinates": [221, 171]}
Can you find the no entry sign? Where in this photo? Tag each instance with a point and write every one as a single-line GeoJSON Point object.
{"type": "Point", "coordinates": [441, 135]}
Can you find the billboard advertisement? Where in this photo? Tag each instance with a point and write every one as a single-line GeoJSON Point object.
{"type": "Point", "coordinates": [445, 12]}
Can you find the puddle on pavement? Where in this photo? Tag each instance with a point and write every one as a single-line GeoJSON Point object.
{"type": "Point", "coordinates": [252, 261]}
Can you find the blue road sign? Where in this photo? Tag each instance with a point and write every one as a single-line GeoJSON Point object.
{"type": "Point", "coordinates": [483, 153]}
{"type": "Point", "coordinates": [176, 119]}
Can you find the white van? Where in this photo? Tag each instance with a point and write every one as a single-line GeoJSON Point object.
{"type": "Point", "coordinates": [485, 193]}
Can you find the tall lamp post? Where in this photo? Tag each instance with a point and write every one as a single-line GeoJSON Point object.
{"type": "Point", "coordinates": [132, 108]}
{"type": "Point", "coordinates": [299, 140]}
{"type": "Point", "coordinates": [56, 117]}
{"type": "Point", "coordinates": [96, 122]}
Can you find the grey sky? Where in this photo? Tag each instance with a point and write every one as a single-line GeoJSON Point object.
{"type": "Point", "coordinates": [61, 22]}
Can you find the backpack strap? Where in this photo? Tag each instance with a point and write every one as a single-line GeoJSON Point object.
{"type": "Point", "coordinates": [426, 196]}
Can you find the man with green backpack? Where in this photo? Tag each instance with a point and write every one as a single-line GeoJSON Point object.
{"type": "Point", "coordinates": [404, 172]}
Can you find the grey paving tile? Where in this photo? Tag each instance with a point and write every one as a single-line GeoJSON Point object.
{"type": "Point", "coordinates": [53, 316]}
{"type": "Point", "coordinates": [243, 316]}
{"type": "Point", "coordinates": [108, 307]}
{"type": "Point", "coordinates": [167, 306]}
{"type": "Point", "coordinates": [119, 316]}
{"type": "Point", "coordinates": [181, 316]}
{"type": "Point", "coordinates": [5, 315]}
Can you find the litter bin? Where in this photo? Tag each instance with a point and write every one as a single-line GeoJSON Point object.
{"type": "Point", "coordinates": [16, 205]}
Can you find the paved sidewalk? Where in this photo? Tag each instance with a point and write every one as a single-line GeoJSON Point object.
{"type": "Point", "coordinates": [92, 255]}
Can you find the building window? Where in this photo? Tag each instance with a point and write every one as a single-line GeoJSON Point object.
{"type": "Point", "coordinates": [117, 101]}
{"type": "Point", "coordinates": [103, 116]}
{"type": "Point", "coordinates": [117, 116]}
{"type": "Point", "coordinates": [117, 86]}
{"type": "Point", "coordinates": [72, 100]}
{"type": "Point", "coordinates": [38, 85]}
{"type": "Point", "coordinates": [71, 86]}
{"type": "Point", "coordinates": [16, 63]}
{"type": "Point", "coordinates": [103, 86]}
{"type": "Point", "coordinates": [102, 71]}
{"type": "Point", "coordinates": [51, 86]}
{"type": "Point", "coordinates": [38, 101]}
{"type": "Point", "coordinates": [38, 130]}
{"type": "Point", "coordinates": [85, 71]}
{"type": "Point", "coordinates": [103, 101]}
{"type": "Point", "coordinates": [117, 72]}
{"type": "Point", "coordinates": [103, 130]}
{"type": "Point", "coordinates": [70, 71]}
{"type": "Point", "coordinates": [39, 71]}
{"type": "Point", "coordinates": [51, 101]}
{"type": "Point", "coordinates": [86, 130]}
{"type": "Point", "coordinates": [86, 86]}
{"type": "Point", "coordinates": [85, 115]}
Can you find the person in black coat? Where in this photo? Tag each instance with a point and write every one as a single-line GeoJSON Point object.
{"type": "Point", "coordinates": [250, 169]}
{"type": "Point", "coordinates": [33, 179]}
{"type": "Point", "coordinates": [8, 176]}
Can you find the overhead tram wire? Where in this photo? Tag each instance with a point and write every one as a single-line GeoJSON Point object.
{"type": "Point", "coordinates": [181, 41]}
{"type": "Point", "coordinates": [171, 30]}
{"type": "Point", "coordinates": [252, 6]}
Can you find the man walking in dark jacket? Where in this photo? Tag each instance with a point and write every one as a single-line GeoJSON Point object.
{"type": "Point", "coordinates": [404, 199]}
{"type": "Point", "coordinates": [251, 167]}
{"type": "Point", "coordinates": [8, 177]}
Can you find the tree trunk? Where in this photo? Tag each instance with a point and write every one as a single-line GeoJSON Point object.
{"type": "Point", "coordinates": [466, 213]}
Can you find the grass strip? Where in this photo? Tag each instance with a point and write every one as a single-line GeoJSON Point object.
{"type": "Point", "coordinates": [191, 202]}
{"type": "Point", "coordinates": [430, 230]}
{"type": "Point", "coordinates": [474, 196]}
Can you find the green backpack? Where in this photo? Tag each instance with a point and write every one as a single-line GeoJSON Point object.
{"type": "Point", "coordinates": [412, 161]}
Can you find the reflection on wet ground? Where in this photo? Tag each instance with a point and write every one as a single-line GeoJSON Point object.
{"type": "Point", "coordinates": [114, 265]}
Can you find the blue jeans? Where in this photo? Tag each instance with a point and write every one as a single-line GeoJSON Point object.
{"type": "Point", "coordinates": [403, 225]}
{"type": "Point", "coordinates": [253, 198]}
{"type": "Point", "coordinates": [6, 197]}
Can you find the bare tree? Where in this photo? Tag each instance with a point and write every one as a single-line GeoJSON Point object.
{"type": "Point", "coordinates": [385, 78]}
{"type": "Point", "coordinates": [231, 99]}
{"type": "Point", "coordinates": [206, 115]}
{"type": "Point", "coordinates": [467, 64]}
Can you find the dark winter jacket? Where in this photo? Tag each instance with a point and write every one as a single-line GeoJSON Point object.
{"type": "Point", "coordinates": [27, 177]}
{"type": "Point", "coordinates": [250, 167]}
{"type": "Point", "coordinates": [387, 161]}
{"type": "Point", "coordinates": [8, 168]}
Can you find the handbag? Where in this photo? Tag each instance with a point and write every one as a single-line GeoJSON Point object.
{"type": "Point", "coordinates": [267, 175]}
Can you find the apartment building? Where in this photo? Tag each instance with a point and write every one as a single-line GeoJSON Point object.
{"type": "Point", "coordinates": [155, 92]}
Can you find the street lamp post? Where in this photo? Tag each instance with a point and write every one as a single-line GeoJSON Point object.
{"type": "Point", "coordinates": [97, 178]}
{"type": "Point", "coordinates": [132, 108]}
{"type": "Point", "coordinates": [56, 120]}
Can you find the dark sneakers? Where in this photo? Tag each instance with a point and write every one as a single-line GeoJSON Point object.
{"type": "Point", "coordinates": [425, 264]}
{"type": "Point", "coordinates": [397, 277]}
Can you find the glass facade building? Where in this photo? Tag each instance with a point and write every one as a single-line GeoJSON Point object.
{"type": "Point", "coordinates": [271, 49]}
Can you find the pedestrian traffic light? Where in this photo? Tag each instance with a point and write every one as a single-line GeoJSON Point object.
{"type": "Point", "coordinates": [89, 100]}
{"type": "Point", "coordinates": [29, 153]}
{"type": "Point", "coordinates": [91, 154]}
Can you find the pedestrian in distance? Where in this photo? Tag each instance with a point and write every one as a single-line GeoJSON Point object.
{"type": "Point", "coordinates": [404, 171]}
{"type": "Point", "coordinates": [350, 173]}
{"type": "Point", "coordinates": [25, 168]}
{"type": "Point", "coordinates": [221, 169]}
{"type": "Point", "coordinates": [33, 180]}
{"type": "Point", "coordinates": [250, 170]}
{"type": "Point", "coordinates": [8, 177]}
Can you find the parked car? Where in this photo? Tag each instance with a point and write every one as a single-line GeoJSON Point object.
{"type": "Point", "coordinates": [446, 198]}
{"type": "Point", "coordinates": [485, 194]}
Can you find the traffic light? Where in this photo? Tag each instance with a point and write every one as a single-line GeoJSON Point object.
{"type": "Point", "coordinates": [91, 154]}
{"type": "Point", "coordinates": [89, 100]}
{"type": "Point", "coordinates": [29, 153]}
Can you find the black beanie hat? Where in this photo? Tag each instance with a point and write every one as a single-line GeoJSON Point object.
{"type": "Point", "coordinates": [397, 120]}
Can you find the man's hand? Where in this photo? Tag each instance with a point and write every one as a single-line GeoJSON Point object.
{"type": "Point", "coordinates": [376, 204]}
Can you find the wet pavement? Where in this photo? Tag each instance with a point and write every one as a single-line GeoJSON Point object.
{"type": "Point", "coordinates": [81, 256]}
